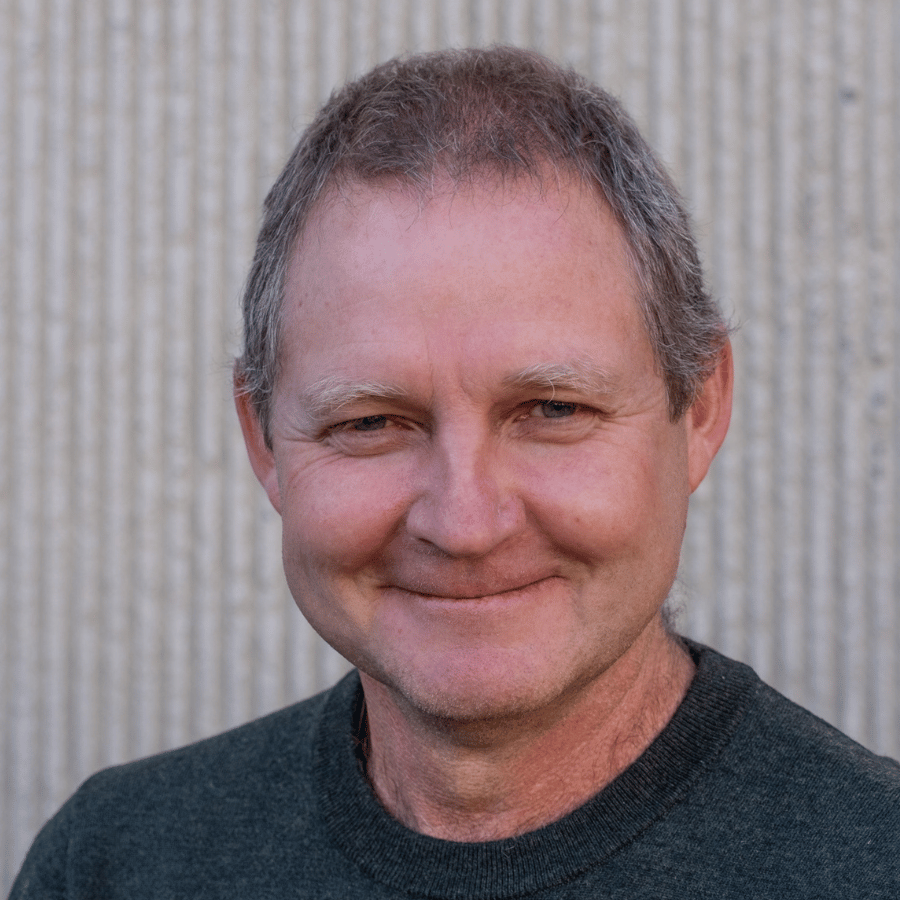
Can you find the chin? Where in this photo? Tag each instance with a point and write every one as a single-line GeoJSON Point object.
{"type": "Point", "coordinates": [473, 689]}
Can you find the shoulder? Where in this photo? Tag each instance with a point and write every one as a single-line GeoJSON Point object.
{"type": "Point", "coordinates": [234, 762]}
{"type": "Point", "coordinates": [794, 754]}
{"type": "Point", "coordinates": [800, 804]}
{"type": "Point", "coordinates": [780, 742]}
{"type": "Point", "coordinates": [204, 813]}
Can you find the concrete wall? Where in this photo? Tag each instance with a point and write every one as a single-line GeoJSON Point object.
{"type": "Point", "coordinates": [142, 603]}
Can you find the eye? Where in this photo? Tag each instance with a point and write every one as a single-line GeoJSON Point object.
{"type": "Point", "coordinates": [554, 409]}
{"type": "Point", "coordinates": [372, 435]}
{"type": "Point", "coordinates": [367, 423]}
{"type": "Point", "coordinates": [556, 421]}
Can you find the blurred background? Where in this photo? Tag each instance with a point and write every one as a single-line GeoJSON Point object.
{"type": "Point", "coordinates": [142, 603]}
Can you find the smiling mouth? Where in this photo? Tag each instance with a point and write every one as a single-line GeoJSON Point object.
{"type": "Point", "coordinates": [463, 595]}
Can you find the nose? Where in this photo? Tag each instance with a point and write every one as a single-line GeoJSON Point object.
{"type": "Point", "coordinates": [466, 504]}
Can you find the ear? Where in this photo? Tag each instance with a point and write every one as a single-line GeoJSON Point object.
{"type": "Point", "coordinates": [707, 419]}
{"type": "Point", "coordinates": [262, 459]}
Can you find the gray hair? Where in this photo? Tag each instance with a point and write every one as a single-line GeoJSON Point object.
{"type": "Point", "coordinates": [469, 115]}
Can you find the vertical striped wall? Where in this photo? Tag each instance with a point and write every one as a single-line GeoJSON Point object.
{"type": "Point", "coordinates": [142, 603]}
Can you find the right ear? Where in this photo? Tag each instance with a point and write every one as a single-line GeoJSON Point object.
{"type": "Point", "coordinates": [262, 459]}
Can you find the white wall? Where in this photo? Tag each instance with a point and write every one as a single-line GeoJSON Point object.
{"type": "Point", "coordinates": [142, 603]}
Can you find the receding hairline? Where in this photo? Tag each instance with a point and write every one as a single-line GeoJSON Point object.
{"type": "Point", "coordinates": [567, 182]}
{"type": "Point", "coordinates": [552, 176]}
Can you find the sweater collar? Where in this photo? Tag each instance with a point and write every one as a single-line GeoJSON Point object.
{"type": "Point", "coordinates": [420, 865]}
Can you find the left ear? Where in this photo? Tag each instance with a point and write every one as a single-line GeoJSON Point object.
{"type": "Point", "coordinates": [707, 419]}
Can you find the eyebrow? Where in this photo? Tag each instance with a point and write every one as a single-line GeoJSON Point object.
{"type": "Point", "coordinates": [578, 376]}
{"type": "Point", "coordinates": [328, 395]}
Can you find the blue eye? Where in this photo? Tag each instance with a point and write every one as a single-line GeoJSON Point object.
{"type": "Point", "coordinates": [369, 423]}
{"type": "Point", "coordinates": [556, 409]}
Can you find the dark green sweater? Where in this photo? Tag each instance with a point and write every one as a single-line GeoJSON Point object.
{"type": "Point", "coordinates": [743, 795]}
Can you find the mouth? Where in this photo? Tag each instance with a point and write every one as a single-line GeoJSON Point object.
{"type": "Point", "coordinates": [450, 593]}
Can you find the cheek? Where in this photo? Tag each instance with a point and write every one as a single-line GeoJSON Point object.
{"type": "Point", "coordinates": [606, 505]}
{"type": "Point", "coordinates": [339, 515]}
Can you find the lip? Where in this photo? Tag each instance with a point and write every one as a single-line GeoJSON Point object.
{"type": "Point", "coordinates": [459, 594]}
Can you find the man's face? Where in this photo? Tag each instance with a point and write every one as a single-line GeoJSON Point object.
{"type": "Point", "coordinates": [483, 496]}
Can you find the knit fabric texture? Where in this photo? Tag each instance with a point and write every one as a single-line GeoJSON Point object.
{"type": "Point", "coordinates": [743, 795]}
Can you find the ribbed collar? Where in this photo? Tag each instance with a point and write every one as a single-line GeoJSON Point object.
{"type": "Point", "coordinates": [419, 865]}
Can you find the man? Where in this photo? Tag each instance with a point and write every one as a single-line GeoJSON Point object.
{"type": "Point", "coordinates": [481, 379]}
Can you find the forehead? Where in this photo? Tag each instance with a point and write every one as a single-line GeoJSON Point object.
{"type": "Point", "coordinates": [377, 262]}
{"type": "Point", "coordinates": [366, 217]}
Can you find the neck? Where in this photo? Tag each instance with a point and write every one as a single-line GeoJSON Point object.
{"type": "Point", "coordinates": [487, 780]}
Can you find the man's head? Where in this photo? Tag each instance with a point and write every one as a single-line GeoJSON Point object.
{"type": "Point", "coordinates": [472, 116]}
{"type": "Point", "coordinates": [480, 451]}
